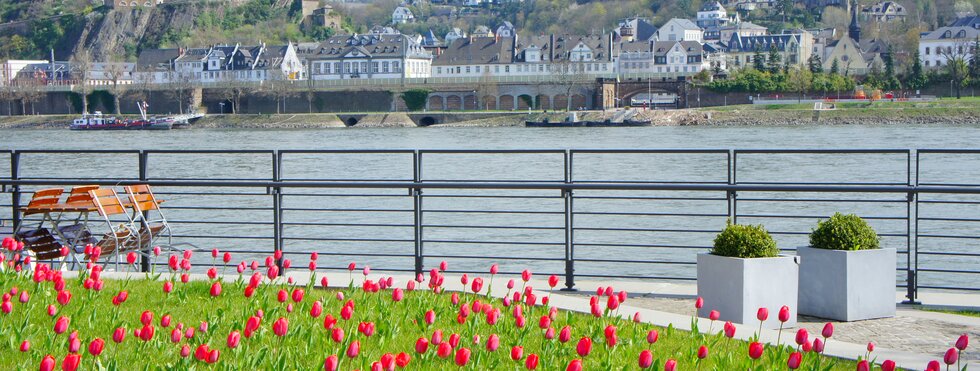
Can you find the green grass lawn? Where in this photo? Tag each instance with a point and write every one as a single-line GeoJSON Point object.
{"type": "Point", "coordinates": [307, 343]}
{"type": "Point", "coordinates": [964, 312]}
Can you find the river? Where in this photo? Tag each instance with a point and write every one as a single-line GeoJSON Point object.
{"type": "Point", "coordinates": [656, 243]}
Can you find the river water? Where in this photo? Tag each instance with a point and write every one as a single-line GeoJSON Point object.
{"type": "Point", "coordinates": [652, 234]}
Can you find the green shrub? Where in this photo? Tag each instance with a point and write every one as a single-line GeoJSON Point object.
{"type": "Point", "coordinates": [844, 232]}
{"type": "Point", "coordinates": [415, 99]}
{"type": "Point", "coordinates": [745, 241]}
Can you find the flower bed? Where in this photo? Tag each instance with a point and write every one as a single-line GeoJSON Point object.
{"type": "Point", "coordinates": [258, 320]}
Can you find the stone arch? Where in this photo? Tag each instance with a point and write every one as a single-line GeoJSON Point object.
{"type": "Point", "coordinates": [454, 103]}
{"type": "Point", "coordinates": [427, 120]}
{"type": "Point", "coordinates": [561, 102]}
{"type": "Point", "coordinates": [435, 103]}
{"type": "Point", "coordinates": [488, 102]}
{"type": "Point", "coordinates": [469, 102]}
{"type": "Point", "coordinates": [351, 121]}
{"type": "Point", "coordinates": [543, 101]}
{"type": "Point", "coordinates": [506, 102]}
{"type": "Point", "coordinates": [578, 101]}
{"type": "Point", "coordinates": [525, 101]}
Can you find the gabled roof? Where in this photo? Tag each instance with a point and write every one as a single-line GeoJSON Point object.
{"type": "Point", "coordinates": [971, 21]}
{"type": "Point", "coordinates": [477, 50]}
{"type": "Point", "coordinates": [373, 45]}
{"type": "Point", "coordinates": [952, 33]}
{"type": "Point", "coordinates": [683, 23]}
{"type": "Point", "coordinates": [156, 59]}
{"type": "Point", "coordinates": [642, 29]}
{"type": "Point", "coordinates": [740, 43]}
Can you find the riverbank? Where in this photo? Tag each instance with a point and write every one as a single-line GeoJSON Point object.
{"type": "Point", "coordinates": [946, 111]}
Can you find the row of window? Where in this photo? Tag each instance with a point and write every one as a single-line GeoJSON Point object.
{"type": "Point", "coordinates": [949, 50]}
{"type": "Point", "coordinates": [583, 67]}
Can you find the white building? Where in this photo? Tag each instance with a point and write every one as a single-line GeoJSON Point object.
{"type": "Point", "coordinates": [506, 30]}
{"type": "Point", "coordinates": [936, 47]}
{"type": "Point", "coordinates": [220, 63]}
{"type": "Point", "coordinates": [12, 69]}
{"type": "Point", "coordinates": [535, 56]}
{"type": "Point", "coordinates": [402, 15]}
{"type": "Point", "coordinates": [367, 56]}
{"type": "Point", "coordinates": [679, 29]}
{"type": "Point", "coordinates": [683, 58]}
{"type": "Point", "coordinates": [453, 35]}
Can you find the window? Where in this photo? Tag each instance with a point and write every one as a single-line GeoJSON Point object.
{"type": "Point", "coordinates": [477, 69]}
{"type": "Point", "coordinates": [467, 69]}
{"type": "Point", "coordinates": [384, 67]}
{"type": "Point", "coordinates": [496, 69]}
{"type": "Point", "coordinates": [507, 69]}
{"type": "Point", "coordinates": [439, 70]}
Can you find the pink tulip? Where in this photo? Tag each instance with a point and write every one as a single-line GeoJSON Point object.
{"type": "Point", "coordinates": [863, 365]}
{"type": "Point", "coordinates": [784, 314]}
{"type": "Point", "coordinates": [146, 317]}
{"type": "Point", "coordinates": [280, 327]}
{"type": "Point", "coordinates": [951, 356]}
{"type": "Point", "coordinates": [421, 345]}
{"type": "Point", "coordinates": [47, 364]}
{"type": "Point", "coordinates": [233, 339]}
{"type": "Point", "coordinates": [71, 362]}
{"type": "Point", "coordinates": [802, 336]}
{"type": "Point", "coordinates": [962, 342]}
{"type": "Point", "coordinates": [462, 356]}
{"type": "Point", "coordinates": [493, 342]}
{"type": "Point", "coordinates": [516, 352]}
{"type": "Point", "coordinates": [52, 310]}
{"type": "Point", "coordinates": [185, 351]}
{"type": "Point", "coordinates": [714, 315]}
{"type": "Point", "coordinates": [316, 309]}
{"type": "Point", "coordinates": [755, 350]}
{"type": "Point", "coordinates": [652, 336]}
{"type": "Point", "coordinates": [397, 294]}
{"type": "Point", "coordinates": [565, 335]}
{"type": "Point", "coordinates": [932, 366]}
{"type": "Point", "coordinates": [168, 287]}
{"type": "Point", "coordinates": [871, 347]}
{"type": "Point", "coordinates": [176, 336]}
{"type": "Point", "coordinates": [444, 350]}
{"type": "Point", "coordinates": [526, 275]}
{"type": "Point", "coordinates": [430, 317]}
{"type": "Point", "coordinates": [702, 352]}
{"type": "Point", "coordinates": [353, 349]}
{"type": "Point", "coordinates": [119, 335]}
{"type": "Point", "coordinates": [216, 289]}
{"type": "Point", "coordinates": [888, 365]}
{"type": "Point", "coordinates": [574, 365]}
{"type": "Point", "coordinates": [298, 295]}
{"type": "Point", "coordinates": [670, 365]}
{"type": "Point", "coordinates": [729, 330]}
{"type": "Point", "coordinates": [646, 359]}
{"type": "Point", "coordinates": [493, 269]}
{"type": "Point", "coordinates": [762, 314]}
{"type": "Point", "coordinates": [828, 330]}
{"type": "Point", "coordinates": [818, 345]}
{"type": "Point", "coordinates": [584, 346]}
{"type": "Point", "coordinates": [61, 325]}
{"type": "Point", "coordinates": [443, 266]}
{"type": "Point", "coordinates": [337, 334]}
{"type": "Point", "coordinates": [96, 346]}
{"type": "Point", "coordinates": [794, 361]}
{"type": "Point", "coordinates": [553, 281]}
{"type": "Point", "coordinates": [699, 303]}
{"type": "Point", "coordinates": [531, 362]}
{"type": "Point", "coordinates": [331, 363]}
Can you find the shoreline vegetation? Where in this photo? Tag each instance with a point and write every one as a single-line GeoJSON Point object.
{"type": "Point", "coordinates": [943, 111]}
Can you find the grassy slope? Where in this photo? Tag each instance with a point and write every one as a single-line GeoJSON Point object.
{"type": "Point", "coordinates": [307, 343]}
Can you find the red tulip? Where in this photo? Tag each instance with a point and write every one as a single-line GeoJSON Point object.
{"type": "Point", "coordinates": [818, 345]}
{"type": "Point", "coordinates": [298, 295]}
{"type": "Point", "coordinates": [185, 351]}
{"type": "Point", "coordinates": [794, 360]}
{"type": "Point", "coordinates": [493, 269]}
{"type": "Point", "coordinates": [646, 359]}
{"type": "Point", "coordinates": [703, 352]}
{"type": "Point", "coordinates": [176, 336]}
{"type": "Point", "coordinates": [462, 356]}
{"type": "Point", "coordinates": [699, 303]}
{"type": "Point", "coordinates": [47, 364]}
{"type": "Point", "coordinates": [517, 352]}
{"type": "Point", "coordinates": [565, 335]}
{"type": "Point", "coordinates": [251, 325]}
{"type": "Point", "coordinates": [802, 336]}
{"type": "Point", "coordinates": [96, 346]}
{"type": "Point", "coordinates": [421, 345]}
{"type": "Point", "coordinates": [755, 350]}
{"type": "Point", "coordinates": [61, 325]}
{"type": "Point", "coordinates": [828, 330]}
{"type": "Point", "coordinates": [402, 359]}
{"type": "Point", "coordinates": [280, 327]}
{"type": "Point", "coordinates": [165, 320]}
{"type": "Point", "coordinates": [337, 334]}
{"type": "Point", "coordinates": [64, 297]}
{"type": "Point", "coordinates": [932, 366]}
{"type": "Point", "coordinates": [347, 312]}
{"type": "Point", "coordinates": [213, 356]}
{"type": "Point", "coordinates": [119, 335]}
{"type": "Point", "coordinates": [612, 302]}
{"type": "Point", "coordinates": [25, 346]}
{"type": "Point", "coordinates": [871, 347]}
{"type": "Point", "coordinates": [888, 365]}
{"type": "Point", "coordinates": [531, 362]}
{"type": "Point", "coordinates": [444, 350]}
{"type": "Point", "coordinates": [714, 315]}
{"type": "Point", "coordinates": [331, 363]}
{"type": "Point", "coordinates": [353, 349]}
{"type": "Point", "coordinates": [52, 310]}
{"type": "Point", "coordinates": [670, 365]}
{"type": "Point", "coordinates": [784, 314]}
{"type": "Point", "coordinates": [6, 307]}
{"type": "Point", "coordinates": [146, 333]}
{"type": "Point", "coordinates": [584, 346]}
{"type": "Point", "coordinates": [762, 314]}
{"type": "Point", "coordinates": [574, 365]}
{"type": "Point", "coordinates": [610, 331]}
{"type": "Point", "coordinates": [493, 342]}
{"type": "Point", "coordinates": [962, 342]}
{"type": "Point", "coordinates": [131, 258]}
{"type": "Point", "coordinates": [146, 317]}
{"type": "Point", "coordinates": [226, 257]}
{"type": "Point", "coordinates": [863, 366]}
{"type": "Point", "coordinates": [216, 289]}
{"type": "Point", "coordinates": [201, 353]}
{"type": "Point", "coordinates": [951, 356]}
{"type": "Point", "coordinates": [526, 275]}
{"type": "Point", "coordinates": [233, 339]}
{"type": "Point", "coordinates": [477, 285]}
{"type": "Point", "coordinates": [71, 361]}
{"type": "Point", "coordinates": [729, 330]}
{"type": "Point", "coordinates": [553, 281]}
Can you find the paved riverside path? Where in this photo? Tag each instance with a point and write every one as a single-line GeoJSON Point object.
{"type": "Point", "coordinates": [911, 340]}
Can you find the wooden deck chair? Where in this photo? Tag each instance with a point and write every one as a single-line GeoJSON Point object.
{"type": "Point", "coordinates": [121, 238]}
{"type": "Point", "coordinates": [40, 242]}
{"type": "Point", "coordinates": [151, 227]}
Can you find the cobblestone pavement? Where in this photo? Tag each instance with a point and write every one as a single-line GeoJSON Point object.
{"type": "Point", "coordinates": [908, 331]}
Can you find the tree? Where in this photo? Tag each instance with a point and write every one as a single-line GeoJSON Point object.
{"type": "Point", "coordinates": [115, 72]}
{"type": "Point", "coordinates": [774, 62]}
{"type": "Point", "coordinates": [875, 77]}
{"type": "Point", "coordinates": [233, 89]}
{"type": "Point", "coordinates": [916, 79]}
{"type": "Point", "coordinates": [178, 87]}
{"type": "Point", "coordinates": [33, 93]}
{"type": "Point", "coordinates": [702, 77]}
{"type": "Point", "coordinates": [835, 67]}
{"type": "Point", "coordinates": [310, 87]}
{"type": "Point", "coordinates": [7, 95]}
{"type": "Point", "coordinates": [785, 7]}
{"type": "Point", "coordinates": [567, 75]}
{"type": "Point", "coordinates": [279, 88]}
{"type": "Point", "coordinates": [758, 60]}
{"type": "Point", "coordinates": [800, 80]}
{"type": "Point", "coordinates": [957, 69]}
{"type": "Point", "coordinates": [974, 66]}
{"type": "Point", "coordinates": [81, 67]}
{"type": "Point", "coordinates": [814, 63]}
{"type": "Point", "coordinates": [487, 87]}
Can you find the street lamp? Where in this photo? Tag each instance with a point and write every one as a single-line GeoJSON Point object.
{"type": "Point", "coordinates": [222, 105]}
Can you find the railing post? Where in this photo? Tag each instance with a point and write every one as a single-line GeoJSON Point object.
{"type": "Point", "coordinates": [416, 194]}
{"type": "Point", "coordinates": [15, 194]}
{"type": "Point", "coordinates": [567, 194]}
{"type": "Point", "coordinates": [144, 258]}
{"type": "Point", "coordinates": [277, 205]}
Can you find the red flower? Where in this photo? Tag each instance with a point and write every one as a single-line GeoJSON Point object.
{"type": "Point", "coordinates": [462, 356]}
{"type": "Point", "coordinates": [888, 365]}
{"type": "Point", "coordinates": [962, 342]}
{"type": "Point", "coordinates": [226, 258]}
{"type": "Point", "coordinates": [146, 333]}
{"type": "Point", "coordinates": [251, 325]}
{"type": "Point", "coordinates": [951, 356]}
{"type": "Point", "coordinates": [330, 363]}
{"type": "Point", "coordinates": [794, 360]}
{"type": "Point", "coordinates": [329, 321]}
{"type": "Point", "coordinates": [402, 359]}
{"type": "Point", "coordinates": [280, 327]}
{"type": "Point", "coordinates": [784, 314]}
{"type": "Point", "coordinates": [612, 302]}
{"type": "Point", "coordinates": [714, 315]}
{"type": "Point", "coordinates": [216, 289]}
{"type": "Point", "coordinates": [932, 366]}
{"type": "Point", "coordinates": [828, 330]}
{"type": "Point", "coordinates": [763, 314]}
{"type": "Point", "coordinates": [670, 365]}
{"type": "Point", "coordinates": [71, 361]}
{"type": "Point", "coordinates": [699, 303]}
{"type": "Point", "coordinates": [553, 281]}
{"type": "Point", "coordinates": [444, 350]}
{"type": "Point", "coordinates": [47, 364]}
{"type": "Point", "coordinates": [213, 356]}
{"type": "Point", "coordinates": [646, 359]}
{"type": "Point", "coordinates": [584, 346]}
{"type": "Point", "coordinates": [64, 297]}
{"type": "Point", "coordinates": [802, 336]}
{"type": "Point", "coordinates": [131, 258]}
{"type": "Point", "coordinates": [388, 361]}
{"type": "Point", "coordinates": [119, 335]}
{"type": "Point", "coordinates": [353, 349]}
{"type": "Point", "coordinates": [61, 325]}
{"type": "Point", "coordinates": [493, 269]}
{"type": "Point", "coordinates": [729, 330]}
{"type": "Point", "coordinates": [526, 275]}
{"type": "Point", "coordinates": [755, 350]}
{"type": "Point", "coordinates": [337, 334]}
{"type": "Point", "coordinates": [25, 346]}
{"type": "Point", "coordinates": [421, 345]}
{"type": "Point", "coordinates": [871, 347]}
{"type": "Point", "coordinates": [703, 352]}
{"type": "Point", "coordinates": [96, 346]}
{"type": "Point", "coordinates": [233, 339]}
{"type": "Point", "coordinates": [818, 345]}
{"type": "Point", "coordinates": [146, 317]}
{"type": "Point", "coordinates": [298, 295]}
{"type": "Point", "coordinates": [185, 351]}
{"type": "Point", "coordinates": [517, 352]}
{"type": "Point", "coordinates": [477, 285]}
{"type": "Point", "coordinates": [574, 365]}
{"type": "Point", "coordinates": [531, 362]}
{"type": "Point", "coordinates": [565, 335]}
{"type": "Point", "coordinates": [863, 365]}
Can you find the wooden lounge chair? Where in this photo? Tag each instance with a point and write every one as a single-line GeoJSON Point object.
{"type": "Point", "coordinates": [40, 241]}
{"type": "Point", "coordinates": [143, 201]}
{"type": "Point", "coordinates": [121, 237]}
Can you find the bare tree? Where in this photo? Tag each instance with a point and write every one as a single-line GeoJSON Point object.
{"type": "Point", "coordinates": [178, 87]}
{"type": "Point", "coordinates": [7, 95]}
{"type": "Point", "coordinates": [142, 82]}
{"type": "Point", "coordinates": [233, 89]}
{"type": "Point", "coordinates": [81, 67]}
{"type": "Point", "coordinates": [486, 87]}
{"type": "Point", "coordinates": [33, 93]}
{"type": "Point", "coordinates": [115, 73]}
{"type": "Point", "coordinates": [310, 87]}
{"type": "Point", "coordinates": [568, 76]}
{"type": "Point", "coordinates": [279, 88]}
{"type": "Point", "coordinates": [957, 67]}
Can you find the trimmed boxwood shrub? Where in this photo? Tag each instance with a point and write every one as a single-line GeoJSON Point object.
{"type": "Point", "coordinates": [415, 99]}
{"type": "Point", "coordinates": [745, 241]}
{"type": "Point", "coordinates": [844, 232]}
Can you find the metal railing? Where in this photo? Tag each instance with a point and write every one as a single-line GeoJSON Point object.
{"type": "Point", "coordinates": [579, 213]}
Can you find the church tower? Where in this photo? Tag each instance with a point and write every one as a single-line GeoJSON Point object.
{"type": "Point", "coordinates": [854, 31]}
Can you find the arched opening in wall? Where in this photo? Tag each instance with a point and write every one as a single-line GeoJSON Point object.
{"type": "Point", "coordinates": [469, 103]}
{"type": "Point", "coordinates": [427, 120]}
{"type": "Point", "coordinates": [561, 102]}
{"type": "Point", "coordinates": [435, 103]}
{"type": "Point", "coordinates": [488, 102]}
{"type": "Point", "coordinates": [543, 102]}
{"type": "Point", "coordinates": [351, 121]}
{"type": "Point", "coordinates": [454, 103]}
{"type": "Point", "coordinates": [578, 102]}
{"type": "Point", "coordinates": [506, 102]}
{"type": "Point", "coordinates": [524, 102]}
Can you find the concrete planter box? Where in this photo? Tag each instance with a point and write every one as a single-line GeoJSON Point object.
{"type": "Point", "coordinates": [738, 287]}
{"type": "Point", "coordinates": [847, 285]}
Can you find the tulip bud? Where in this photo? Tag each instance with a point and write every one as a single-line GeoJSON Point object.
{"type": "Point", "coordinates": [784, 314]}
{"type": "Point", "coordinates": [584, 346]}
{"type": "Point", "coordinates": [331, 363]}
{"type": "Point", "coordinates": [698, 303]}
{"type": "Point", "coordinates": [828, 330]}
{"type": "Point", "coordinates": [422, 345]}
{"type": "Point", "coordinates": [951, 356]}
{"type": "Point", "coordinates": [462, 356]}
{"type": "Point", "coordinates": [755, 350]}
{"type": "Point", "coordinates": [962, 342]}
{"type": "Point", "coordinates": [763, 314]}
{"type": "Point", "coordinates": [646, 358]}
{"type": "Point", "coordinates": [794, 361]}
{"type": "Point", "coordinates": [517, 352]}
